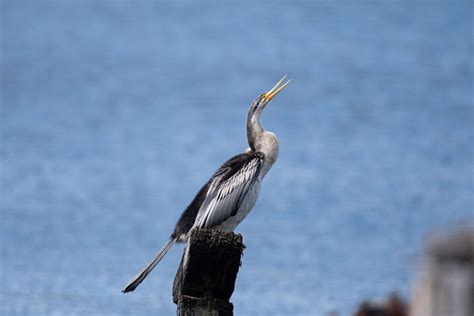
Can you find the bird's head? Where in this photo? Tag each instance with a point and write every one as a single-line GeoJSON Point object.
{"type": "Point", "coordinates": [262, 100]}
{"type": "Point", "coordinates": [258, 138]}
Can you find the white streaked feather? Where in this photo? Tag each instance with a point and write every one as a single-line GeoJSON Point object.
{"type": "Point", "coordinates": [224, 197]}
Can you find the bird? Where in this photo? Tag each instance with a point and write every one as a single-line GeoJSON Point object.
{"type": "Point", "coordinates": [231, 193]}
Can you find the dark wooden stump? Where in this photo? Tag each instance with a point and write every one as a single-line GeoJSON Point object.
{"type": "Point", "coordinates": [206, 275]}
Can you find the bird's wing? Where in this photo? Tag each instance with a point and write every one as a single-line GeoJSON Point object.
{"type": "Point", "coordinates": [228, 188]}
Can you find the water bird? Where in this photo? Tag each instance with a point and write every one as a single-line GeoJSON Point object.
{"type": "Point", "coordinates": [229, 195]}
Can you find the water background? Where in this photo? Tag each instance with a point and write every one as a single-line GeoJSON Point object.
{"type": "Point", "coordinates": [114, 113]}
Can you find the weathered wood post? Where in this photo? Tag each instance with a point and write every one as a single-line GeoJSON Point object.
{"type": "Point", "coordinates": [206, 276]}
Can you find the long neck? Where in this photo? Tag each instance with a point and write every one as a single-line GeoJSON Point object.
{"type": "Point", "coordinates": [254, 127]}
{"type": "Point", "coordinates": [261, 140]}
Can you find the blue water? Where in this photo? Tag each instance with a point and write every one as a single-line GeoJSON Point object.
{"type": "Point", "coordinates": [114, 113]}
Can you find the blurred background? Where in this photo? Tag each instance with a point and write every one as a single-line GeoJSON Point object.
{"type": "Point", "coordinates": [114, 113]}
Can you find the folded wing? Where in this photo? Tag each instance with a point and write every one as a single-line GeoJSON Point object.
{"type": "Point", "coordinates": [228, 188]}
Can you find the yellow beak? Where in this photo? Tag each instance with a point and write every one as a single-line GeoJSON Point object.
{"type": "Point", "coordinates": [275, 90]}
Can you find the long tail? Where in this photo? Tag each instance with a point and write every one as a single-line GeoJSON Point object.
{"type": "Point", "coordinates": [144, 273]}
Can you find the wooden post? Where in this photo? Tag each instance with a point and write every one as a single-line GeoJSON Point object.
{"type": "Point", "coordinates": [206, 276]}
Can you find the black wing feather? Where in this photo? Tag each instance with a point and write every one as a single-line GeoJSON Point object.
{"type": "Point", "coordinates": [226, 171]}
{"type": "Point", "coordinates": [228, 189]}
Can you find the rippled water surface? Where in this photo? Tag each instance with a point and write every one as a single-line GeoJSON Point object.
{"type": "Point", "coordinates": [114, 113]}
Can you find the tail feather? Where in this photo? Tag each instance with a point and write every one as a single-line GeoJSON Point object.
{"type": "Point", "coordinates": [152, 264]}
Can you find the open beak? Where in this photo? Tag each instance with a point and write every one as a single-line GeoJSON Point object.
{"type": "Point", "coordinates": [276, 89]}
